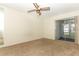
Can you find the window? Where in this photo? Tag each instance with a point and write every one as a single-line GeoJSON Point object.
{"type": "Point", "coordinates": [1, 20]}
{"type": "Point", "coordinates": [66, 29]}
{"type": "Point", "coordinates": [73, 27]}
{"type": "Point", "coordinates": [69, 28]}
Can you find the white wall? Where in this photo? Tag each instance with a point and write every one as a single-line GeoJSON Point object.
{"type": "Point", "coordinates": [49, 28]}
{"type": "Point", "coordinates": [21, 27]}
{"type": "Point", "coordinates": [50, 24]}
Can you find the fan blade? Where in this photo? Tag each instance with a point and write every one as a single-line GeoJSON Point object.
{"type": "Point", "coordinates": [31, 10]}
{"type": "Point", "coordinates": [36, 5]}
{"type": "Point", "coordinates": [45, 9]}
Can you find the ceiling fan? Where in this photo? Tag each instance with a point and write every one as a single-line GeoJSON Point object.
{"type": "Point", "coordinates": [38, 9]}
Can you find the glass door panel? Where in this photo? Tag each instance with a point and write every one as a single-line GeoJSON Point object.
{"type": "Point", "coordinates": [69, 29]}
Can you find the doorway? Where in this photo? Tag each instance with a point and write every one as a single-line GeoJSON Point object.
{"type": "Point", "coordinates": [65, 29]}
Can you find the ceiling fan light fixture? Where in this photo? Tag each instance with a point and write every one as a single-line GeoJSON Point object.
{"type": "Point", "coordinates": [38, 9]}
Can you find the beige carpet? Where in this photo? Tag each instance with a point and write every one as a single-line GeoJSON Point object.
{"type": "Point", "coordinates": [42, 47]}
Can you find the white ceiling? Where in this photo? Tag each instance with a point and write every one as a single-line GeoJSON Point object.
{"type": "Point", "coordinates": [56, 8]}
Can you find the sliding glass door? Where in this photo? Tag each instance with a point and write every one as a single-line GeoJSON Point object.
{"type": "Point", "coordinates": [69, 29]}
{"type": "Point", "coordinates": [65, 29]}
